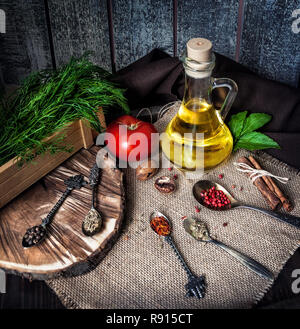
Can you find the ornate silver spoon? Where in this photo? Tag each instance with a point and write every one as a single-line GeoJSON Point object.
{"type": "Point", "coordinates": [37, 234]}
{"type": "Point", "coordinates": [206, 184]}
{"type": "Point", "coordinates": [92, 222]}
{"type": "Point", "coordinates": [196, 285]}
{"type": "Point", "coordinates": [198, 230]}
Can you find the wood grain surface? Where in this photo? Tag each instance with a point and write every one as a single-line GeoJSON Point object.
{"type": "Point", "coordinates": [43, 33]}
{"type": "Point", "coordinates": [66, 250]}
{"type": "Point", "coordinates": [140, 26]}
{"type": "Point", "coordinates": [268, 45]}
{"type": "Point", "coordinates": [214, 20]}
{"type": "Point", "coordinates": [25, 46]}
{"type": "Point", "coordinates": [80, 26]}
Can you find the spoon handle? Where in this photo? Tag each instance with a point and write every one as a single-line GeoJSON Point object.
{"type": "Point", "coordinates": [183, 263]}
{"type": "Point", "coordinates": [94, 179]}
{"type": "Point", "coordinates": [247, 261]}
{"type": "Point", "coordinates": [71, 182]}
{"type": "Point", "coordinates": [290, 219]}
{"type": "Point", "coordinates": [52, 212]}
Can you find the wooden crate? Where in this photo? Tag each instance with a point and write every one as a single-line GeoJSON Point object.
{"type": "Point", "coordinates": [15, 179]}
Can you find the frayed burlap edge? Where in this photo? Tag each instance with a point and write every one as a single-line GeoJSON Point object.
{"type": "Point", "coordinates": [276, 162]}
{"type": "Point", "coordinates": [262, 293]}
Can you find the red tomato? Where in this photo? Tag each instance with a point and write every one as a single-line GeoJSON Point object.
{"type": "Point", "coordinates": [133, 138]}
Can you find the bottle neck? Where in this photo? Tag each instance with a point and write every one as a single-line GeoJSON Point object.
{"type": "Point", "coordinates": [198, 81]}
{"type": "Point", "coordinates": [197, 87]}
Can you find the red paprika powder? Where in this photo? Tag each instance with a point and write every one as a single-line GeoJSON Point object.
{"type": "Point", "coordinates": [160, 225]}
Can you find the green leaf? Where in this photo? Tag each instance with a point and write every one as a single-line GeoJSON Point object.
{"type": "Point", "coordinates": [255, 141]}
{"type": "Point", "coordinates": [236, 123]}
{"type": "Point", "coordinates": [255, 121]}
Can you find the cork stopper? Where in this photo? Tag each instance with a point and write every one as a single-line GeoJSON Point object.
{"type": "Point", "coordinates": [199, 49]}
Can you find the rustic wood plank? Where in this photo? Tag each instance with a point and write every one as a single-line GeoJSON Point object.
{"type": "Point", "coordinates": [80, 26]}
{"type": "Point", "coordinates": [25, 45]}
{"type": "Point", "coordinates": [213, 20]}
{"type": "Point", "coordinates": [139, 26]}
{"type": "Point", "coordinates": [101, 117]}
{"type": "Point", "coordinates": [66, 250]}
{"type": "Point", "coordinates": [86, 134]}
{"type": "Point", "coordinates": [269, 46]}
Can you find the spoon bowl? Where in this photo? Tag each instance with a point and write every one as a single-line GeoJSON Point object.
{"type": "Point", "coordinates": [199, 231]}
{"type": "Point", "coordinates": [234, 203]}
{"type": "Point", "coordinates": [205, 185]}
{"type": "Point", "coordinates": [196, 229]}
{"type": "Point", "coordinates": [159, 214]}
{"type": "Point", "coordinates": [92, 222]}
{"type": "Point", "coordinates": [34, 236]}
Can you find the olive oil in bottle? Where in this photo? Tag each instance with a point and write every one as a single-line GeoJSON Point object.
{"type": "Point", "coordinates": [197, 137]}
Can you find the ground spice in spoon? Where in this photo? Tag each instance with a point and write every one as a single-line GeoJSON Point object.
{"type": "Point", "coordinates": [160, 225]}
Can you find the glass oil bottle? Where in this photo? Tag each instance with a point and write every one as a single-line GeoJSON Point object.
{"type": "Point", "coordinates": [198, 127]}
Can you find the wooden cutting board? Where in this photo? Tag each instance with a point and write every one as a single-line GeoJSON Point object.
{"type": "Point", "coordinates": [66, 251]}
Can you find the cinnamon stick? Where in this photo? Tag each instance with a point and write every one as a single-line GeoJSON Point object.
{"type": "Point", "coordinates": [269, 196]}
{"type": "Point", "coordinates": [287, 205]}
{"type": "Point", "coordinates": [266, 179]}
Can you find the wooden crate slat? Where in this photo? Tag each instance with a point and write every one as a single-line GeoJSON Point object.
{"type": "Point", "coordinates": [101, 117]}
{"type": "Point", "coordinates": [33, 172]}
{"type": "Point", "coordinates": [11, 166]}
{"type": "Point", "coordinates": [15, 179]}
{"type": "Point", "coordinates": [41, 163]}
{"type": "Point", "coordinates": [86, 134]}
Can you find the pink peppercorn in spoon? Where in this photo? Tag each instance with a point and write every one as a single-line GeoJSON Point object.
{"type": "Point", "coordinates": [215, 197]}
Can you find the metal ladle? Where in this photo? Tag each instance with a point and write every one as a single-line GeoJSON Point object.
{"type": "Point", "coordinates": [198, 230]}
{"type": "Point", "coordinates": [196, 285]}
{"type": "Point", "coordinates": [206, 184]}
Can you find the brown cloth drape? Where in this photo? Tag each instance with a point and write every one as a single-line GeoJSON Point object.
{"type": "Point", "coordinates": [158, 78]}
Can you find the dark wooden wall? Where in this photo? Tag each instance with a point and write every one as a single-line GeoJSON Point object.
{"type": "Point", "coordinates": [45, 33]}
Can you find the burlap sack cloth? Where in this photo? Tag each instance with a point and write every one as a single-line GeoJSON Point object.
{"type": "Point", "coordinates": [141, 271]}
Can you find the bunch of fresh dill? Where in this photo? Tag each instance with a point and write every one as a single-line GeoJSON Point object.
{"type": "Point", "coordinates": [49, 100]}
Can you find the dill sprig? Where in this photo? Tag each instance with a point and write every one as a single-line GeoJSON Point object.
{"type": "Point", "coordinates": [47, 101]}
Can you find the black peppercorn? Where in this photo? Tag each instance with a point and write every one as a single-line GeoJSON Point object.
{"type": "Point", "coordinates": [34, 235]}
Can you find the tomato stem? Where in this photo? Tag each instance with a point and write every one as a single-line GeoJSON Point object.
{"type": "Point", "coordinates": [132, 126]}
